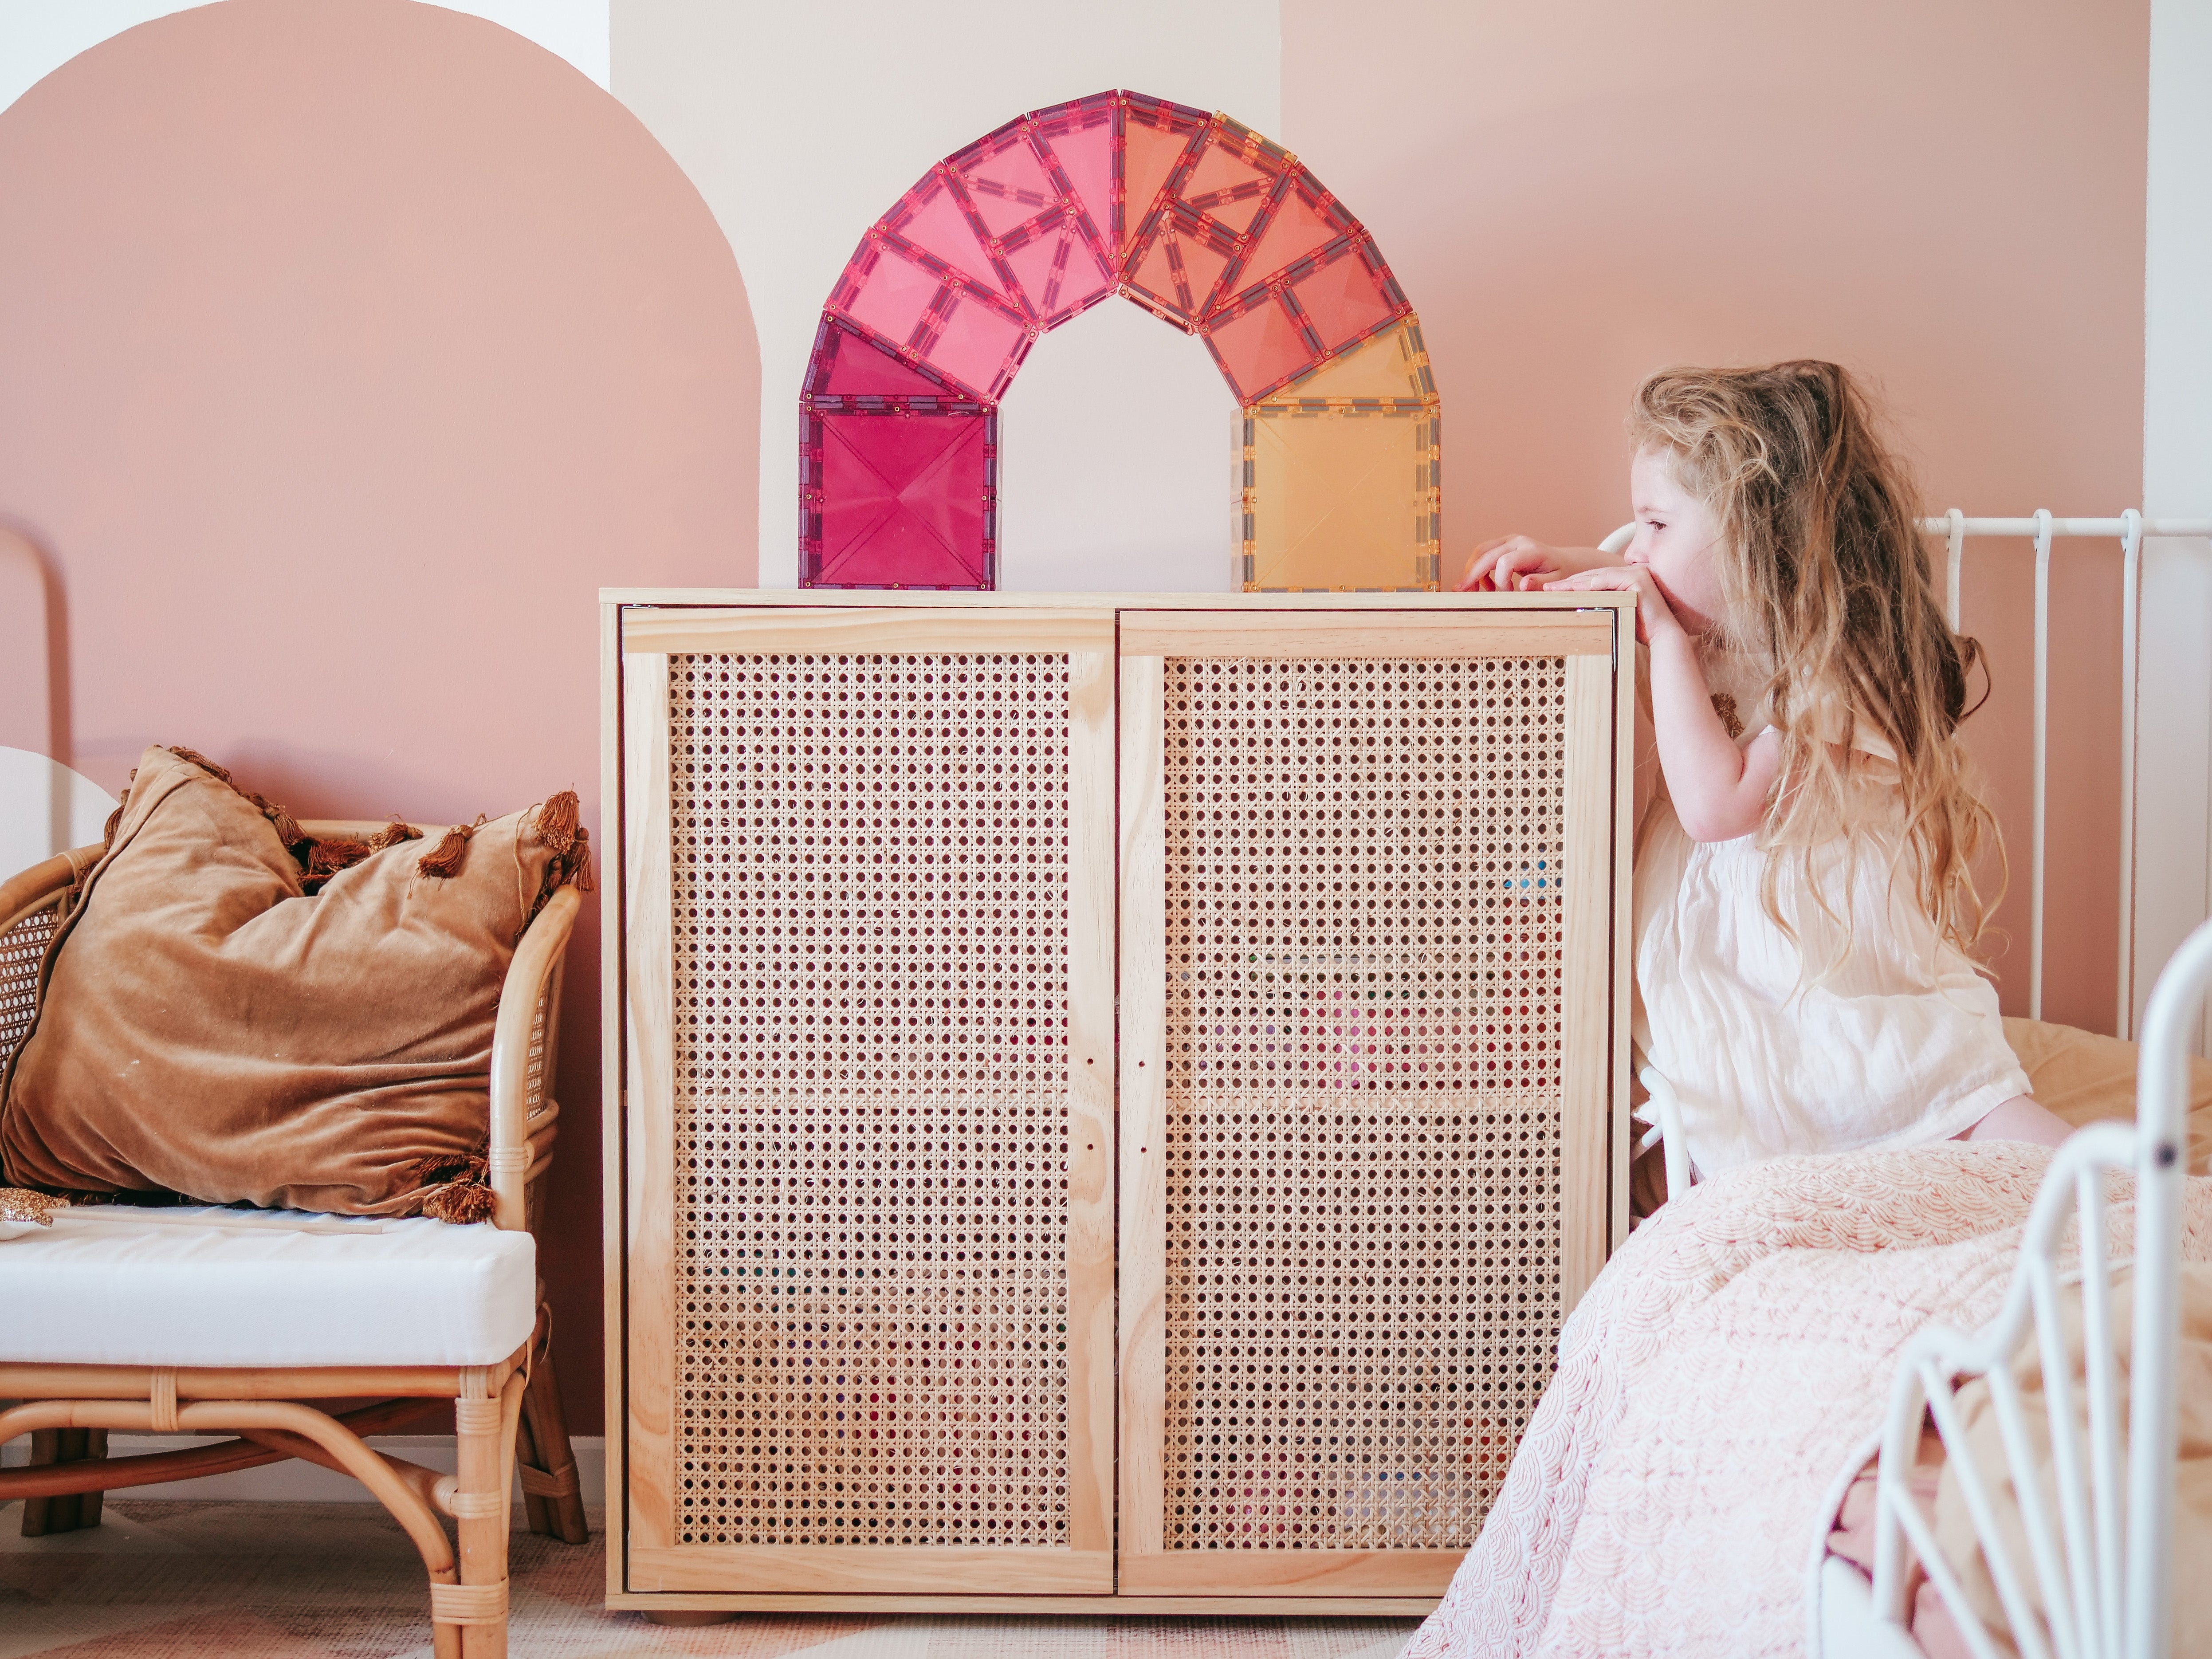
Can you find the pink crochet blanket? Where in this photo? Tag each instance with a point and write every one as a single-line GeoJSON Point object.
{"type": "Point", "coordinates": [1717, 1387]}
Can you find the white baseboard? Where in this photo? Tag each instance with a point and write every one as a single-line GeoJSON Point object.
{"type": "Point", "coordinates": [294, 1482]}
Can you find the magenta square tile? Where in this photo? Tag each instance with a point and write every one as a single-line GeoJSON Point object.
{"type": "Point", "coordinates": [902, 501]}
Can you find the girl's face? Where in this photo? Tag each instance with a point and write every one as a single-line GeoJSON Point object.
{"type": "Point", "coordinates": [1676, 540]}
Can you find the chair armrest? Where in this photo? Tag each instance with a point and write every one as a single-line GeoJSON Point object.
{"type": "Point", "coordinates": [31, 891]}
{"type": "Point", "coordinates": [537, 961]}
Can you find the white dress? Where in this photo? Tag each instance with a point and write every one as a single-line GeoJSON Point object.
{"type": "Point", "coordinates": [1899, 1044]}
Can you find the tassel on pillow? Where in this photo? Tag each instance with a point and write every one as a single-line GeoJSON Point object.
{"type": "Point", "coordinates": [452, 1187]}
{"type": "Point", "coordinates": [443, 861]}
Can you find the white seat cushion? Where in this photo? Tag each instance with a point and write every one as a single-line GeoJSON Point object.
{"type": "Point", "coordinates": [113, 1284]}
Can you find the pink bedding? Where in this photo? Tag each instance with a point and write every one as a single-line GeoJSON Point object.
{"type": "Point", "coordinates": [1718, 1387]}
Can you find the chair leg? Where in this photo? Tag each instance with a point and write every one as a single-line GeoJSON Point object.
{"type": "Point", "coordinates": [69, 1511]}
{"type": "Point", "coordinates": [554, 1499]}
{"type": "Point", "coordinates": [485, 1430]}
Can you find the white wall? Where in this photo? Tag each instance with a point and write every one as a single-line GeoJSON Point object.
{"type": "Point", "coordinates": [45, 808]}
{"type": "Point", "coordinates": [37, 37]}
{"type": "Point", "coordinates": [801, 123]}
{"type": "Point", "coordinates": [1115, 461]}
{"type": "Point", "coordinates": [2174, 764]}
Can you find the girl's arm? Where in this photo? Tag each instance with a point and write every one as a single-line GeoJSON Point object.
{"type": "Point", "coordinates": [1719, 790]}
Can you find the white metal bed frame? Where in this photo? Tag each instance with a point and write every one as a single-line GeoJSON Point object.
{"type": "Point", "coordinates": [2105, 1569]}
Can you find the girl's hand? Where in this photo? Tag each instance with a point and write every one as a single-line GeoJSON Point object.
{"type": "Point", "coordinates": [1719, 788]}
{"type": "Point", "coordinates": [1654, 615]}
{"type": "Point", "coordinates": [1517, 564]}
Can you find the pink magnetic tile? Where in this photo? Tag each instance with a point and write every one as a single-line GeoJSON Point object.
{"type": "Point", "coordinates": [931, 217]}
{"type": "Point", "coordinates": [1059, 273]}
{"type": "Point", "coordinates": [1347, 297]}
{"type": "Point", "coordinates": [1307, 220]}
{"type": "Point", "coordinates": [1260, 349]}
{"type": "Point", "coordinates": [978, 345]}
{"type": "Point", "coordinates": [1008, 185]}
{"type": "Point", "coordinates": [892, 293]}
{"type": "Point", "coordinates": [1149, 156]}
{"type": "Point", "coordinates": [860, 369]}
{"type": "Point", "coordinates": [904, 501]}
{"type": "Point", "coordinates": [1083, 146]}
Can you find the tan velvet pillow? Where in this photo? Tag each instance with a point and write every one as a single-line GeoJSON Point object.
{"type": "Point", "coordinates": [2082, 1076]}
{"type": "Point", "coordinates": [208, 1028]}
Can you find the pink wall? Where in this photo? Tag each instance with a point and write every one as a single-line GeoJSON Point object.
{"type": "Point", "coordinates": [1948, 196]}
{"type": "Point", "coordinates": [346, 348]}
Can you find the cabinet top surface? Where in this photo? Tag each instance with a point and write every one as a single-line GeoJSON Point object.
{"type": "Point", "coordinates": [888, 599]}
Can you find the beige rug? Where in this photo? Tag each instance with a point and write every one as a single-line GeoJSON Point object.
{"type": "Point", "coordinates": [337, 1581]}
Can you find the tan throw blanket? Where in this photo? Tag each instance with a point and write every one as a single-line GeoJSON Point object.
{"type": "Point", "coordinates": [207, 1028]}
{"type": "Point", "coordinates": [1718, 1387]}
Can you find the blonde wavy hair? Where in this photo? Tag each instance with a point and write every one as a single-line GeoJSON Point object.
{"type": "Point", "coordinates": [1826, 581]}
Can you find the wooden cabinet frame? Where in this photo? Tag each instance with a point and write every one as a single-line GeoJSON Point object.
{"type": "Point", "coordinates": [1116, 647]}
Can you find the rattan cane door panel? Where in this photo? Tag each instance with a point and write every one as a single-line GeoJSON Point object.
{"type": "Point", "coordinates": [1364, 1120]}
{"type": "Point", "coordinates": [871, 1327]}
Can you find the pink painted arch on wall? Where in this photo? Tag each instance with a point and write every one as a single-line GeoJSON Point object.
{"type": "Point", "coordinates": [1192, 215]}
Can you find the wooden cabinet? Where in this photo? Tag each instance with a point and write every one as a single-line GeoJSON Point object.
{"type": "Point", "coordinates": [1261, 958]}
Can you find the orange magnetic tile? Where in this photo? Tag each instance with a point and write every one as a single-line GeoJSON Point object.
{"type": "Point", "coordinates": [1386, 366]}
{"type": "Point", "coordinates": [1261, 348]}
{"type": "Point", "coordinates": [1342, 501]}
{"type": "Point", "coordinates": [1306, 221]}
{"type": "Point", "coordinates": [1149, 154]}
{"type": "Point", "coordinates": [1346, 297]}
{"type": "Point", "coordinates": [1225, 187]}
{"type": "Point", "coordinates": [1179, 271]}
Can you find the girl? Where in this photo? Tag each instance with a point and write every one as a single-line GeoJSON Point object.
{"type": "Point", "coordinates": [1805, 901]}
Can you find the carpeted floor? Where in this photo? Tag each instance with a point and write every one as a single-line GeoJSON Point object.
{"type": "Point", "coordinates": [337, 1581]}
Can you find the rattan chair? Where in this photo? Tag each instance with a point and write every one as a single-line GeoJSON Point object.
{"type": "Point", "coordinates": [507, 1407]}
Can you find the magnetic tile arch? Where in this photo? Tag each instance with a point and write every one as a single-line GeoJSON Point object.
{"type": "Point", "coordinates": [1195, 217]}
